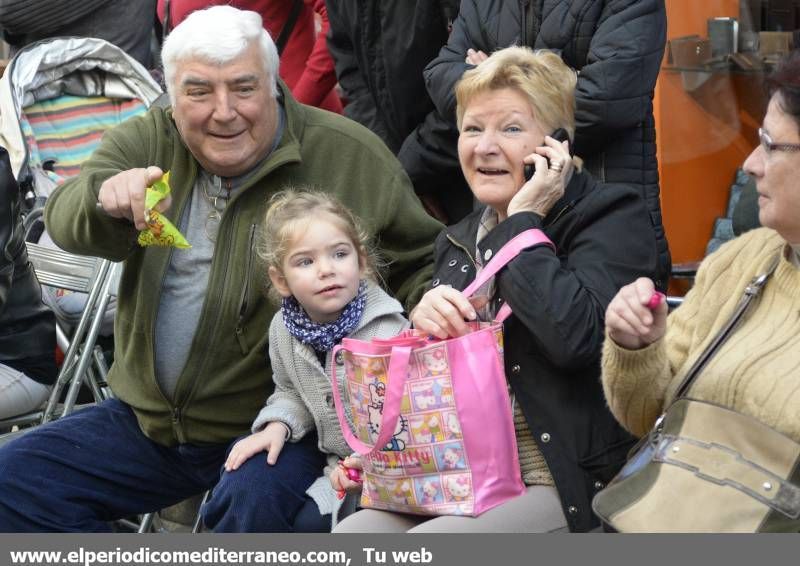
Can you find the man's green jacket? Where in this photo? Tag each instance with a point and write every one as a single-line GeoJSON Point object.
{"type": "Point", "coordinates": [227, 376]}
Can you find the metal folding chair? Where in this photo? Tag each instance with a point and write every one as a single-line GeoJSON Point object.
{"type": "Point", "coordinates": [83, 361]}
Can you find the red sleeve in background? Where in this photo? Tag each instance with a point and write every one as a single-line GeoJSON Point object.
{"type": "Point", "coordinates": [316, 84]}
{"type": "Point", "coordinates": [179, 9]}
{"type": "Point", "coordinates": [306, 65]}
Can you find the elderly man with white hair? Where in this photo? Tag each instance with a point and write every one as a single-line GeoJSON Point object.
{"type": "Point", "coordinates": [191, 368]}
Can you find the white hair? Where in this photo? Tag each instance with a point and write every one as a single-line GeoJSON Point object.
{"type": "Point", "coordinates": [218, 35]}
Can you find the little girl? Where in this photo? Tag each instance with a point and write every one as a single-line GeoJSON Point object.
{"type": "Point", "coordinates": [320, 268]}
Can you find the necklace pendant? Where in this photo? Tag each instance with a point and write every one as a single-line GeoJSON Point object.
{"type": "Point", "coordinates": [212, 225]}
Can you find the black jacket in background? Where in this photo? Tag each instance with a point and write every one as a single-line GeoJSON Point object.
{"type": "Point", "coordinates": [616, 45]}
{"type": "Point", "coordinates": [127, 24]}
{"type": "Point", "coordinates": [380, 49]}
{"type": "Point", "coordinates": [27, 326]}
{"type": "Point", "coordinates": [553, 340]}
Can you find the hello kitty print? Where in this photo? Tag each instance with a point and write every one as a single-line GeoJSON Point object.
{"type": "Point", "coordinates": [453, 450]}
{"type": "Point", "coordinates": [424, 468]}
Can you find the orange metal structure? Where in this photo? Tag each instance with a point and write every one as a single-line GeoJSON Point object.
{"type": "Point", "coordinates": [706, 126]}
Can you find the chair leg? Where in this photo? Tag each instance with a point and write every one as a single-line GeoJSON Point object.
{"type": "Point", "coordinates": [71, 357]}
{"type": "Point", "coordinates": [61, 337]}
{"type": "Point", "coordinates": [198, 521]}
{"type": "Point", "coordinates": [92, 382]}
{"type": "Point", "coordinates": [86, 355]}
{"type": "Point", "coordinates": [146, 524]}
{"type": "Point", "coordinates": [102, 373]}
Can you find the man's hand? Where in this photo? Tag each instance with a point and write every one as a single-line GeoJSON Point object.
{"type": "Point", "coordinates": [122, 196]}
{"type": "Point", "coordinates": [271, 440]}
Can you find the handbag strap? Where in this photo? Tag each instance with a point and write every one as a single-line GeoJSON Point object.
{"type": "Point", "coordinates": [511, 249]}
{"type": "Point", "coordinates": [397, 374]}
{"type": "Point", "coordinates": [287, 28]}
{"type": "Point", "coordinates": [751, 292]}
{"type": "Point", "coordinates": [401, 352]}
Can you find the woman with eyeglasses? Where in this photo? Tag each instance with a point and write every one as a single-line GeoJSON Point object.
{"type": "Point", "coordinates": [755, 372]}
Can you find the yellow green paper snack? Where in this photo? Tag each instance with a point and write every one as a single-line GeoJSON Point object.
{"type": "Point", "coordinates": [159, 231]}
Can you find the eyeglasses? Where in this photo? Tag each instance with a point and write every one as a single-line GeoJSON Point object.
{"type": "Point", "coordinates": [770, 146]}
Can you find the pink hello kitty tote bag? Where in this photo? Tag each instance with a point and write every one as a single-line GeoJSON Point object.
{"type": "Point", "coordinates": [432, 418]}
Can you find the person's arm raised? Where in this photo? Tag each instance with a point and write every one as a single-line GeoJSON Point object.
{"type": "Point", "coordinates": [122, 196]}
{"type": "Point", "coordinates": [81, 221]}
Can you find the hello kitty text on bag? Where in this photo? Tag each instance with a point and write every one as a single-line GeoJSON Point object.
{"type": "Point", "coordinates": [432, 418]}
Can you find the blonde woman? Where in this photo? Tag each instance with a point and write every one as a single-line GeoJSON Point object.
{"type": "Point", "coordinates": [569, 442]}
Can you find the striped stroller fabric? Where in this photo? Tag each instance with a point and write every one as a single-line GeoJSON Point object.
{"type": "Point", "coordinates": [62, 133]}
{"type": "Point", "coordinates": [65, 66]}
{"type": "Point", "coordinates": [57, 98]}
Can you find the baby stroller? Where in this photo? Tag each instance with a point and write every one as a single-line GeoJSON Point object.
{"type": "Point", "coordinates": [57, 97]}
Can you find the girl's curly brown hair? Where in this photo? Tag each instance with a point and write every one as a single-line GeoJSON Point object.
{"type": "Point", "coordinates": [292, 209]}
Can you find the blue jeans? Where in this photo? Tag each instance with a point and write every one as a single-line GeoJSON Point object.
{"type": "Point", "coordinates": [94, 466]}
{"type": "Point", "coordinates": [270, 499]}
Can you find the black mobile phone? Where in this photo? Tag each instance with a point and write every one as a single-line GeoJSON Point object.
{"type": "Point", "coordinates": [559, 135]}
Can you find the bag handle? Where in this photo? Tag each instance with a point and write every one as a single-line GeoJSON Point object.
{"type": "Point", "coordinates": [750, 293]}
{"type": "Point", "coordinates": [401, 353]}
{"type": "Point", "coordinates": [512, 248]}
{"type": "Point", "coordinates": [397, 373]}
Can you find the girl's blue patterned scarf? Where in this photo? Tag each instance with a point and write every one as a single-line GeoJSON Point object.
{"type": "Point", "coordinates": [323, 336]}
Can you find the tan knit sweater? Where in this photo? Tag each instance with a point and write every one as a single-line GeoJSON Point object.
{"type": "Point", "coordinates": [757, 370]}
{"type": "Point", "coordinates": [532, 464]}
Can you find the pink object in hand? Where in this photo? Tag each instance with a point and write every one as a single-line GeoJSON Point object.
{"type": "Point", "coordinates": [353, 474]}
{"type": "Point", "coordinates": [655, 300]}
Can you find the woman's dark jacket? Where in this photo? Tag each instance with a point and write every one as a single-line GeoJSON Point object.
{"type": "Point", "coordinates": [617, 47]}
{"type": "Point", "coordinates": [603, 241]}
{"type": "Point", "coordinates": [27, 326]}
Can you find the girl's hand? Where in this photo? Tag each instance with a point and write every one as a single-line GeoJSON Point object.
{"type": "Point", "coordinates": [630, 322]}
{"type": "Point", "coordinates": [338, 477]}
{"type": "Point", "coordinates": [441, 312]}
{"type": "Point", "coordinates": [548, 182]}
{"type": "Point", "coordinates": [271, 440]}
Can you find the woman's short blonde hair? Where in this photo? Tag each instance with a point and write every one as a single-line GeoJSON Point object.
{"type": "Point", "coordinates": [545, 80]}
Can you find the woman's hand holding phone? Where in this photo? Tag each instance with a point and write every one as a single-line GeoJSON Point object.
{"type": "Point", "coordinates": [559, 135]}
{"type": "Point", "coordinates": [551, 166]}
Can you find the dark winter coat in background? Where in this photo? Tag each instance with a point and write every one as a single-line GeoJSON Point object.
{"type": "Point", "coordinates": [380, 49]}
{"type": "Point", "coordinates": [128, 25]}
{"type": "Point", "coordinates": [27, 326]}
{"type": "Point", "coordinates": [615, 45]}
